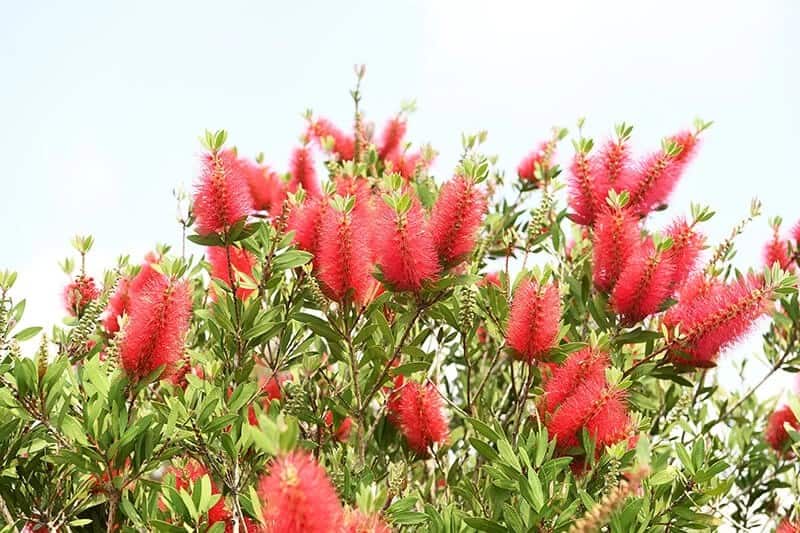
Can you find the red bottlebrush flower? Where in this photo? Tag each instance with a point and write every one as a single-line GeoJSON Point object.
{"type": "Point", "coordinates": [657, 175]}
{"type": "Point", "coordinates": [154, 334]}
{"type": "Point", "coordinates": [419, 415]}
{"type": "Point", "coordinates": [491, 278]}
{"type": "Point", "coordinates": [222, 196]}
{"type": "Point", "coordinates": [357, 522]}
{"type": "Point", "coordinates": [456, 220]}
{"type": "Point", "coordinates": [303, 172]}
{"type": "Point", "coordinates": [342, 431]}
{"type": "Point", "coordinates": [79, 293]}
{"type": "Point", "coordinates": [775, 434]}
{"type": "Point", "coordinates": [391, 137]}
{"type": "Point", "coordinates": [611, 169]}
{"type": "Point", "coordinates": [592, 405]}
{"type": "Point", "coordinates": [533, 321]}
{"type": "Point", "coordinates": [306, 222]}
{"type": "Point", "coordinates": [714, 319]}
{"type": "Point", "coordinates": [393, 399]}
{"type": "Point", "coordinates": [406, 164]}
{"type": "Point", "coordinates": [344, 257]}
{"type": "Point", "coordinates": [796, 234]}
{"type": "Point", "coordinates": [241, 261]}
{"type": "Point", "coordinates": [185, 478]}
{"type": "Point", "coordinates": [266, 187]}
{"type": "Point", "coordinates": [271, 388]}
{"type": "Point", "coordinates": [616, 237]}
{"type": "Point", "coordinates": [778, 251]}
{"type": "Point", "coordinates": [297, 497]}
{"type": "Point", "coordinates": [788, 527]}
{"type": "Point", "coordinates": [405, 251]}
{"type": "Point", "coordinates": [643, 285]}
{"type": "Point", "coordinates": [685, 250]}
{"type": "Point", "coordinates": [344, 145]}
{"type": "Point", "coordinates": [583, 198]}
{"type": "Point", "coordinates": [577, 368]}
{"type": "Point", "coordinates": [119, 303]}
{"type": "Point", "coordinates": [539, 158]}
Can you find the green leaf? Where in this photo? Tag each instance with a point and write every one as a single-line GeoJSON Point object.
{"type": "Point", "coordinates": [482, 524]}
{"type": "Point", "coordinates": [27, 333]}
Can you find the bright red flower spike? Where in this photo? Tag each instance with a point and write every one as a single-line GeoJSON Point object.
{"type": "Point", "coordinates": [297, 497]}
{"type": "Point", "coordinates": [657, 175]}
{"type": "Point", "coordinates": [533, 321]}
{"type": "Point", "coordinates": [303, 173]}
{"type": "Point", "coordinates": [775, 434]}
{"type": "Point", "coordinates": [357, 522]}
{"type": "Point", "coordinates": [79, 293]}
{"type": "Point", "coordinates": [222, 196]}
{"type": "Point", "coordinates": [155, 332]}
{"type": "Point", "coordinates": [419, 414]}
{"type": "Point", "coordinates": [343, 144]}
{"type": "Point", "coordinates": [456, 220]}
{"type": "Point", "coordinates": [344, 258]}
{"type": "Point", "coordinates": [241, 261]}
{"type": "Point", "coordinates": [306, 221]}
{"type": "Point", "coordinates": [583, 197]}
{"type": "Point", "coordinates": [405, 250]}
{"type": "Point", "coordinates": [616, 238]}
{"type": "Point", "coordinates": [391, 137]}
{"type": "Point", "coordinates": [611, 169]}
{"type": "Point", "coordinates": [685, 250]}
{"type": "Point", "coordinates": [715, 318]}
{"type": "Point", "coordinates": [537, 159]}
{"type": "Point", "coordinates": [643, 285]}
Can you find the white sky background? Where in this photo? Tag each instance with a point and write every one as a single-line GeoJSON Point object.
{"type": "Point", "coordinates": [101, 105]}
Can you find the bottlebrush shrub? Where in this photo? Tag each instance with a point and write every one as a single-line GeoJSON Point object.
{"type": "Point", "coordinates": [378, 349]}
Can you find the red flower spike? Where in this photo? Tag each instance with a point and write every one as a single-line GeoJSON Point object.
{"type": "Point", "coordinates": [715, 319]}
{"type": "Point", "coordinates": [643, 285]}
{"type": "Point", "coordinates": [533, 321]}
{"type": "Point", "coordinates": [185, 478]}
{"type": "Point", "coordinates": [405, 250]}
{"type": "Point", "coordinates": [266, 187]}
{"type": "Point", "coordinates": [391, 137]}
{"type": "Point", "coordinates": [775, 433]}
{"type": "Point", "coordinates": [406, 164]}
{"type": "Point", "coordinates": [577, 368]}
{"type": "Point", "coordinates": [583, 198]}
{"type": "Point", "coordinates": [343, 145]}
{"type": "Point", "coordinates": [611, 169]}
{"type": "Point", "coordinates": [241, 261]}
{"type": "Point", "coordinates": [657, 175]}
{"type": "Point", "coordinates": [796, 235]}
{"type": "Point", "coordinates": [297, 497]}
{"type": "Point", "coordinates": [616, 237]}
{"type": "Point", "coordinates": [357, 522]}
{"type": "Point", "coordinates": [491, 278]}
{"type": "Point", "coordinates": [419, 415]}
{"type": "Point", "coordinates": [222, 196]}
{"type": "Point", "coordinates": [342, 431]}
{"type": "Point", "coordinates": [271, 388]}
{"type": "Point", "coordinates": [685, 250]}
{"type": "Point", "coordinates": [456, 220]}
{"type": "Point", "coordinates": [778, 251]}
{"type": "Point", "coordinates": [788, 527]}
{"type": "Point", "coordinates": [306, 221]}
{"type": "Point", "coordinates": [80, 293]}
{"type": "Point", "coordinates": [578, 396]}
{"type": "Point", "coordinates": [344, 257]}
{"type": "Point", "coordinates": [540, 157]}
{"type": "Point", "coordinates": [155, 332]}
{"type": "Point", "coordinates": [303, 173]}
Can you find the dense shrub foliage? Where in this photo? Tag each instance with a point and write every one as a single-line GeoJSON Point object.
{"type": "Point", "coordinates": [380, 350]}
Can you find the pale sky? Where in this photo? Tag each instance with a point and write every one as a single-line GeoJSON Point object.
{"type": "Point", "coordinates": [101, 103]}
